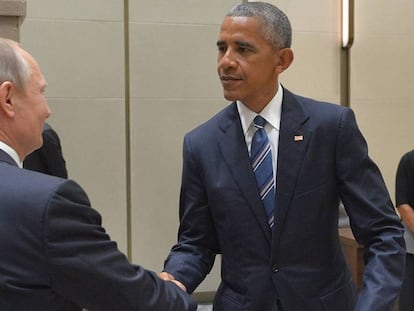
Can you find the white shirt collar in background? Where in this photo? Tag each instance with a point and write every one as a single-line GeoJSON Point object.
{"type": "Point", "coordinates": [12, 153]}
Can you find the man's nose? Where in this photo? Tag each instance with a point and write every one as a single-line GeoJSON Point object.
{"type": "Point", "coordinates": [228, 60]}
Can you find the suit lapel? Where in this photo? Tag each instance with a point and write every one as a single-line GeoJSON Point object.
{"type": "Point", "coordinates": [235, 154]}
{"type": "Point", "coordinates": [293, 142]}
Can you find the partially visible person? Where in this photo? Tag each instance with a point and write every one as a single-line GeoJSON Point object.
{"type": "Point", "coordinates": [261, 185]}
{"type": "Point", "coordinates": [48, 159]}
{"type": "Point", "coordinates": [55, 255]}
{"type": "Point", "coordinates": [343, 219]}
{"type": "Point", "coordinates": [404, 200]}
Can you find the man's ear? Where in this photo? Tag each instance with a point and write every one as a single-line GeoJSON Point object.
{"type": "Point", "coordinates": [7, 90]}
{"type": "Point", "coordinates": [285, 59]}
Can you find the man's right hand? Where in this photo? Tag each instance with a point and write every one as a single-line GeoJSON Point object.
{"type": "Point", "coordinates": [169, 277]}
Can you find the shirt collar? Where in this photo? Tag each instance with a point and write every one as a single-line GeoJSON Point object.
{"type": "Point", "coordinates": [271, 112]}
{"type": "Point", "coordinates": [12, 153]}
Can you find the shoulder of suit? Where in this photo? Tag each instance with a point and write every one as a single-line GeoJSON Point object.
{"type": "Point", "coordinates": [227, 114]}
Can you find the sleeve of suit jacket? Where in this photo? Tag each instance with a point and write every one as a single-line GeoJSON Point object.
{"type": "Point", "coordinates": [192, 258]}
{"type": "Point", "coordinates": [87, 268]}
{"type": "Point", "coordinates": [372, 218]}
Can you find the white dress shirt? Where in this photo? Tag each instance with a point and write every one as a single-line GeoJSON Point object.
{"type": "Point", "coordinates": [271, 113]}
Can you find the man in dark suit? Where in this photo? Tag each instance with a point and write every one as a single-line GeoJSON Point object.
{"type": "Point", "coordinates": [292, 260]}
{"type": "Point", "coordinates": [54, 253]}
{"type": "Point", "coordinates": [48, 159]}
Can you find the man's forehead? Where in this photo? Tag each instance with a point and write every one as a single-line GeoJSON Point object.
{"type": "Point", "coordinates": [241, 27]}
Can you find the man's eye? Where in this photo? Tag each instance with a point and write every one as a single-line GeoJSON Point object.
{"type": "Point", "coordinates": [244, 49]}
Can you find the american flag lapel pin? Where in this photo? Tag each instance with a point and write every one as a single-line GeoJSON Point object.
{"type": "Point", "coordinates": [298, 137]}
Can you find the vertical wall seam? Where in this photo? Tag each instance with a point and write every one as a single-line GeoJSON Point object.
{"type": "Point", "coordinates": [127, 131]}
{"type": "Point", "coordinates": [345, 81]}
{"type": "Point", "coordinates": [345, 58]}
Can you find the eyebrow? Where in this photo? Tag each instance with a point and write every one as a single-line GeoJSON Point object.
{"type": "Point", "coordinates": [242, 44]}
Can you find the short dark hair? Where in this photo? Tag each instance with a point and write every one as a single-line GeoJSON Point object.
{"type": "Point", "coordinates": [276, 26]}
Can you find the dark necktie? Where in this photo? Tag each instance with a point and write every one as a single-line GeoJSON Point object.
{"type": "Point", "coordinates": [261, 157]}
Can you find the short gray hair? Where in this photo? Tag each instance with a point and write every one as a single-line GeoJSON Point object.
{"type": "Point", "coordinates": [276, 26]}
{"type": "Point", "coordinates": [13, 66]}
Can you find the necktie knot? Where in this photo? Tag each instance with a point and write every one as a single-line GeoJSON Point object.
{"type": "Point", "coordinates": [259, 121]}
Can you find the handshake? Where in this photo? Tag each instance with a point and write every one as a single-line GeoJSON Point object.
{"type": "Point", "coordinates": [168, 277]}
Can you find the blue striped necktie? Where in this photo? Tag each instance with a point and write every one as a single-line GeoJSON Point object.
{"type": "Point", "coordinates": [261, 157]}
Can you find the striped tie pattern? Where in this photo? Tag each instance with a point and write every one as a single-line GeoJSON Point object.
{"type": "Point", "coordinates": [261, 157]}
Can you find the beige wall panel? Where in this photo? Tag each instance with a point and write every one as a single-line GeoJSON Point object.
{"type": "Point", "coordinates": [174, 61]}
{"type": "Point", "coordinates": [315, 69]}
{"type": "Point", "coordinates": [103, 10]}
{"type": "Point", "coordinates": [156, 173]}
{"type": "Point", "coordinates": [80, 48]}
{"type": "Point", "coordinates": [384, 17]}
{"type": "Point", "coordinates": [381, 80]}
{"type": "Point", "coordinates": [311, 16]}
{"type": "Point", "coordinates": [388, 128]}
{"type": "Point", "coordinates": [79, 59]}
{"type": "Point", "coordinates": [180, 11]}
{"type": "Point", "coordinates": [382, 67]}
{"type": "Point", "coordinates": [92, 137]}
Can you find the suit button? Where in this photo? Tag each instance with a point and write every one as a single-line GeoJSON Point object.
{"type": "Point", "coordinates": [275, 269]}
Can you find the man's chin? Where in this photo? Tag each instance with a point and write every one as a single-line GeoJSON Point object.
{"type": "Point", "coordinates": [230, 97]}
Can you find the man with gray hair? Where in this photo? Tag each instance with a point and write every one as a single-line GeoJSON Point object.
{"type": "Point", "coordinates": [55, 255]}
{"type": "Point", "coordinates": [261, 185]}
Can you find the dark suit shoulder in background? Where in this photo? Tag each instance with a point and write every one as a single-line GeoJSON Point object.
{"type": "Point", "coordinates": [49, 158]}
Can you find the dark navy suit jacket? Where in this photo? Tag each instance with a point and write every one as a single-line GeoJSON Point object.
{"type": "Point", "coordinates": [49, 158]}
{"type": "Point", "coordinates": [56, 256]}
{"type": "Point", "coordinates": [322, 158]}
